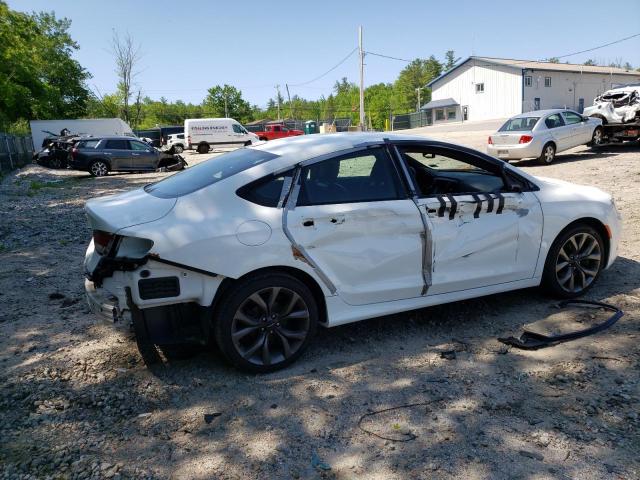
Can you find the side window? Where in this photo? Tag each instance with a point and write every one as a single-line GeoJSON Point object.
{"type": "Point", "coordinates": [547, 81]}
{"type": "Point", "coordinates": [266, 191]}
{"type": "Point", "coordinates": [439, 172]}
{"type": "Point", "coordinates": [554, 121]}
{"type": "Point", "coordinates": [528, 80]}
{"type": "Point", "coordinates": [480, 87]}
{"type": "Point", "coordinates": [570, 118]}
{"type": "Point", "coordinates": [276, 128]}
{"type": "Point", "coordinates": [116, 145]}
{"type": "Point", "coordinates": [237, 128]}
{"type": "Point", "coordinates": [138, 146]}
{"type": "Point", "coordinates": [181, 136]}
{"type": "Point", "coordinates": [364, 176]}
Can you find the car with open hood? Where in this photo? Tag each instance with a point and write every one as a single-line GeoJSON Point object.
{"type": "Point", "coordinates": [256, 248]}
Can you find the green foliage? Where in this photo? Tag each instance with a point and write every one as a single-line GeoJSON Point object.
{"type": "Point", "coordinates": [554, 60]}
{"type": "Point", "coordinates": [449, 59]}
{"type": "Point", "coordinates": [223, 100]}
{"type": "Point", "coordinates": [38, 76]}
{"type": "Point", "coordinates": [415, 75]}
{"type": "Point", "coordinates": [590, 62]}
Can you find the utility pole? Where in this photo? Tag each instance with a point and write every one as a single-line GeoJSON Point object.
{"type": "Point", "coordinates": [362, 125]}
{"type": "Point", "coordinates": [289, 97]}
{"type": "Point", "coordinates": [278, 99]}
{"type": "Point", "coordinates": [419, 104]}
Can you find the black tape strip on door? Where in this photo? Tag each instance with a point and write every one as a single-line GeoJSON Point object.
{"type": "Point", "coordinates": [490, 200]}
{"type": "Point", "coordinates": [476, 198]}
{"type": "Point", "coordinates": [534, 341]}
{"type": "Point", "coordinates": [443, 206]}
{"type": "Point", "coordinates": [500, 203]}
{"type": "Point", "coordinates": [454, 207]}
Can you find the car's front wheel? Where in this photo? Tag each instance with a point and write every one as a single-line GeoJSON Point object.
{"type": "Point", "coordinates": [178, 149]}
{"type": "Point", "coordinates": [548, 154]}
{"type": "Point", "coordinates": [98, 168]}
{"type": "Point", "coordinates": [596, 138]}
{"type": "Point", "coordinates": [264, 323]}
{"type": "Point", "coordinates": [574, 262]}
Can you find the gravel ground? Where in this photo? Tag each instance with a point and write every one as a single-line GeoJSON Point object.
{"type": "Point", "coordinates": [76, 401]}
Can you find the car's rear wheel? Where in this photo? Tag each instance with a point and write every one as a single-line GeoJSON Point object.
{"type": "Point", "coordinates": [264, 323]}
{"type": "Point", "coordinates": [203, 148]}
{"type": "Point", "coordinates": [596, 138]}
{"type": "Point", "coordinates": [574, 262]}
{"type": "Point", "coordinates": [548, 154]}
{"type": "Point", "coordinates": [98, 168]}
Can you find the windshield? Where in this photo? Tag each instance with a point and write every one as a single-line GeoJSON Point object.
{"type": "Point", "coordinates": [519, 124]}
{"type": "Point", "coordinates": [208, 172]}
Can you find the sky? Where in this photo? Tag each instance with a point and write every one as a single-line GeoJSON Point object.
{"type": "Point", "coordinates": [190, 46]}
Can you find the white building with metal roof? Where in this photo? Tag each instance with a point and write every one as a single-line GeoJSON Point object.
{"type": "Point", "coordinates": [483, 88]}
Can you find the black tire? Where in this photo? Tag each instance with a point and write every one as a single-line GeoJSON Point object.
{"type": "Point", "coordinates": [263, 139]}
{"type": "Point", "coordinates": [247, 143]}
{"type": "Point", "coordinates": [148, 350]}
{"type": "Point", "coordinates": [203, 148]}
{"type": "Point", "coordinates": [98, 168]}
{"type": "Point", "coordinates": [178, 149]}
{"type": "Point", "coordinates": [548, 154]}
{"type": "Point", "coordinates": [575, 259]}
{"type": "Point", "coordinates": [596, 138]}
{"type": "Point", "coordinates": [286, 324]}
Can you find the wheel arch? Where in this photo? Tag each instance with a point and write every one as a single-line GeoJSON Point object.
{"type": "Point", "coordinates": [300, 275]}
{"type": "Point", "coordinates": [596, 225]}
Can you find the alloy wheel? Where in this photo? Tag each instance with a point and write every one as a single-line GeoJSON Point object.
{"type": "Point", "coordinates": [99, 169]}
{"type": "Point", "coordinates": [578, 262]}
{"type": "Point", "coordinates": [270, 326]}
{"type": "Point", "coordinates": [597, 137]}
{"type": "Point", "coordinates": [549, 153]}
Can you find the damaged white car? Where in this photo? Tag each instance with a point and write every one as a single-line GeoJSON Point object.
{"type": "Point", "coordinates": [255, 248]}
{"type": "Point", "coordinates": [619, 105]}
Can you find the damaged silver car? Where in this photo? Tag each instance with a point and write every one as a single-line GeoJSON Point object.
{"type": "Point", "coordinates": [618, 105]}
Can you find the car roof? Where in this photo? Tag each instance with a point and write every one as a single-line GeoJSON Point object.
{"type": "Point", "coordinates": [112, 137]}
{"type": "Point", "coordinates": [542, 113]}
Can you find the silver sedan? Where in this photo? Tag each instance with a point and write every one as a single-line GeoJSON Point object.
{"type": "Point", "coordinates": [543, 133]}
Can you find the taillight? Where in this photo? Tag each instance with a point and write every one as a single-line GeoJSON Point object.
{"type": "Point", "coordinates": [74, 152]}
{"type": "Point", "coordinates": [490, 142]}
{"type": "Point", "coordinates": [525, 139]}
{"type": "Point", "coordinates": [102, 241]}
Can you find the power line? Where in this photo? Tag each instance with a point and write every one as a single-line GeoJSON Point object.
{"type": "Point", "coordinates": [327, 72]}
{"type": "Point", "coordinates": [601, 46]}
{"type": "Point", "coordinates": [387, 56]}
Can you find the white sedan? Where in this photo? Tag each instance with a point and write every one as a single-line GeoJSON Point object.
{"type": "Point", "coordinates": [543, 133]}
{"type": "Point", "coordinates": [257, 247]}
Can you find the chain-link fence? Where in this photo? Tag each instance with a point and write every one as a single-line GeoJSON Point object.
{"type": "Point", "coordinates": [15, 151]}
{"type": "Point", "coordinates": [410, 120]}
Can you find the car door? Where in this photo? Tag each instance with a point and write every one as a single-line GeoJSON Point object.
{"type": "Point", "coordinates": [143, 156]}
{"type": "Point", "coordinates": [479, 233]}
{"type": "Point", "coordinates": [237, 134]}
{"type": "Point", "coordinates": [118, 153]}
{"type": "Point", "coordinates": [353, 219]}
{"type": "Point", "coordinates": [560, 132]}
{"type": "Point", "coordinates": [574, 121]}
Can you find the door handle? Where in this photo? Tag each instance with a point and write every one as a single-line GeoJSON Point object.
{"type": "Point", "coordinates": [308, 223]}
{"type": "Point", "coordinates": [337, 220]}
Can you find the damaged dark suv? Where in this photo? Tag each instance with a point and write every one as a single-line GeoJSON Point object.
{"type": "Point", "coordinates": [99, 156]}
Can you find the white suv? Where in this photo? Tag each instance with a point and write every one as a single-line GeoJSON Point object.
{"type": "Point", "coordinates": [176, 143]}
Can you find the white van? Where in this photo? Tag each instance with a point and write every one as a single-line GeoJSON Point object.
{"type": "Point", "coordinates": [202, 133]}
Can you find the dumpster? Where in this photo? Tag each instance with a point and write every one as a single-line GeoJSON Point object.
{"type": "Point", "coordinates": [310, 126]}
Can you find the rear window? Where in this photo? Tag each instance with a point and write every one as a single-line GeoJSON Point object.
{"type": "Point", "coordinates": [87, 143]}
{"type": "Point", "coordinates": [208, 172]}
{"type": "Point", "coordinates": [519, 124]}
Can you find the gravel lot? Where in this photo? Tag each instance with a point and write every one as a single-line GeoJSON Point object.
{"type": "Point", "coordinates": [76, 401]}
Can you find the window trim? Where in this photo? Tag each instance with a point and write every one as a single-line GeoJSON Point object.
{"type": "Point", "coordinates": [480, 87]}
{"type": "Point", "coordinates": [545, 82]}
{"type": "Point", "coordinates": [564, 124]}
{"type": "Point", "coordinates": [107, 140]}
{"type": "Point", "coordinates": [528, 80]}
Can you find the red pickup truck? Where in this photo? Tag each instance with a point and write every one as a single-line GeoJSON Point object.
{"type": "Point", "coordinates": [271, 132]}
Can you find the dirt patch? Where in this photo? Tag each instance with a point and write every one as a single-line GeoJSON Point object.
{"type": "Point", "coordinates": [76, 402]}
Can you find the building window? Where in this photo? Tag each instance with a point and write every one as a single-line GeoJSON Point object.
{"type": "Point", "coordinates": [547, 81]}
{"type": "Point", "coordinates": [440, 114]}
{"type": "Point", "coordinates": [451, 114]}
{"type": "Point", "coordinates": [479, 87]}
{"type": "Point", "coordinates": [528, 81]}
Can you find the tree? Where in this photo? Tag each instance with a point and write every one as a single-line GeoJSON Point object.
{"type": "Point", "coordinates": [415, 75]}
{"type": "Point", "coordinates": [450, 60]}
{"type": "Point", "coordinates": [590, 62]}
{"type": "Point", "coordinates": [127, 56]}
{"type": "Point", "coordinates": [236, 106]}
{"type": "Point", "coordinates": [627, 66]}
{"type": "Point", "coordinates": [553, 60]}
{"type": "Point", "coordinates": [38, 76]}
